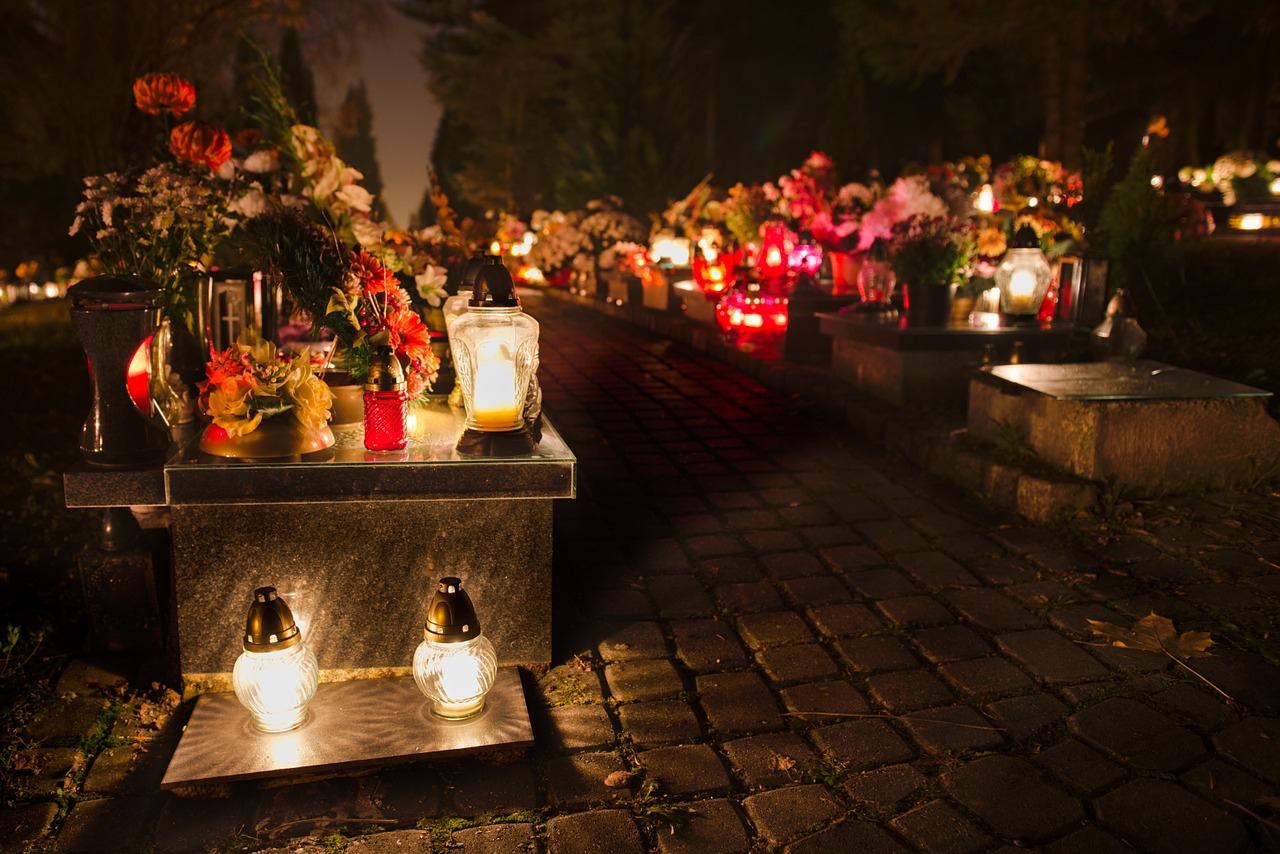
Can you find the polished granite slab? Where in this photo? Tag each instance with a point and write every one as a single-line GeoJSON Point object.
{"type": "Point", "coordinates": [1139, 380]}
{"type": "Point", "coordinates": [350, 726]}
{"type": "Point", "coordinates": [901, 336]}
{"type": "Point", "coordinates": [429, 468]}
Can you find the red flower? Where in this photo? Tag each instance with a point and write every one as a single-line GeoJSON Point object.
{"type": "Point", "coordinates": [197, 142]}
{"type": "Point", "coordinates": [156, 93]}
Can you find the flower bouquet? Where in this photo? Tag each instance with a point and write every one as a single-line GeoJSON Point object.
{"type": "Point", "coordinates": [263, 403]}
{"type": "Point", "coordinates": [929, 254]}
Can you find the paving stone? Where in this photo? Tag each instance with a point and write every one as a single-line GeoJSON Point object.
{"type": "Point", "coordinates": [486, 790]}
{"type": "Point", "coordinates": [880, 584]}
{"type": "Point", "coordinates": [875, 654]}
{"type": "Point", "coordinates": [130, 769]}
{"type": "Point", "coordinates": [92, 674]}
{"type": "Point", "coordinates": [845, 620]}
{"type": "Point", "coordinates": [1075, 619]}
{"type": "Point", "coordinates": [631, 641]}
{"type": "Point", "coordinates": [66, 720]}
{"type": "Point", "coordinates": [816, 590]}
{"type": "Point", "coordinates": [781, 814]}
{"type": "Point", "coordinates": [749, 521]}
{"type": "Point", "coordinates": [856, 509]}
{"type": "Point", "coordinates": [950, 643]}
{"type": "Point", "coordinates": [714, 545]}
{"type": "Point", "coordinates": [995, 569]}
{"type": "Point", "coordinates": [773, 759]}
{"type": "Point", "coordinates": [618, 604]}
{"type": "Point", "coordinates": [773, 628]}
{"type": "Point", "coordinates": [991, 610]}
{"type": "Point", "coordinates": [686, 770]}
{"type": "Point", "coordinates": [950, 729]}
{"type": "Point", "coordinates": [1025, 540]}
{"type": "Point", "coordinates": [571, 683]}
{"type": "Point", "coordinates": [939, 828]}
{"type": "Point", "coordinates": [862, 744]}
{"type": "Point", "coordinates": [848, 835]}
{"type": "Point", "coordinates": [1218, 781]}
{"type": "Point", "coordinates": [648, 679]}
{"type": "Point", "coordinates": [731, 570]}
{"type": "Point", "coordinates": [796, 663]}
{"type": "Point", "coordinates": [1136, 734]}
{"type": "Point", "coordinates": [312, 807]}
{"type": "Point", "coordinates": [659, 556]}
{"type": "Point", "coordinates": [660, 722]}
{"type": "Point", "coordinates": [1008, 794]}
{"type": "Point", "coordinates": [748, 597]}
{"type": "Point", "coordinates": [1089, 839]}
{"type": "Point", "coordinates": [935, 570]}
{"type": "Point", "coordinates": [710, 827]}
{"type": "Point", "coordinates": [772, 541]}
{"type": "Point", "coordinates": [573, 727]}
{"type": "Point", "coordinates": [1162, 816]}
{"type": "Point", "coordinates": [406, 794]}
{"type": "Point", "coordinates": [884, 787]}
{"type": "Point", "coordinates": [823, 702]}
{"type": "Point", "coordinates": [1254, 743]}
{"type": "Point", "coordinates": [892, 536]}
{"type": "Point", "coordinates": [26, 823]}
{"type": "Point", "coordinates": [985, 676]}
{"type": "Point", "coordinates": [707, 644]}
{"type": "Point", "coordinates": [1035, 594]}
{"type": "Point", "coordinates": [905, 690]}
{"type": "Point", "coordinates": [1050, 657]}
{"type": "Point", "coordinates": [485, 839]}
{"type": "Point", "coordinates": [595, 832]}
{"type": "Point", "coordinates": [851, 559]}
{"type": "Point", "coordinates": [1243, 676]}
{"type": "Point", "coordinates": [43, 770]}
{"type": "Point", "coordinates": [1200, 708]}
{"type": "Point", "coordinates": [802, 515]}
{"type": "Point", "coordinates": [1080, 767]}
{"type": "Point", "coordinates": [577, 781]}
{"type": "Point", "coordinates": [1165, 570]}
{"type": "Point", "coordinates": [738, 702]}
{"type": "Point", "coordinates": [680, 596]}
{"type": "Point", "coordinates": [969, 545]}
{"type": "Point", "coordinates": [1027, 717]}
{"type": "Point", "coordinates": [126, 822]}
{"type": "Point", "coordinates": [794, 564]}
{"type": "Point", "coordinates": [914, 611]}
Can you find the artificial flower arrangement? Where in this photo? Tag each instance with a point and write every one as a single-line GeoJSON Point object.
{"type": "Point", "coordinates": [702, 207]}
{"type": "Point", "coordinates": [561, 245]}
{"type": "Point", "coordinates": [1235, 176]}
{"type": "Point", "coordinates": [928, 249]}
{"type": "Point", "coordinates": [251, 381]}
{"type": "Point", "coordinates": [164, 221]}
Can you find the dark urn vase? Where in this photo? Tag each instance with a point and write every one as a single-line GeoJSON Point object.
{"type": "Point", "coordinates": [927, 305]}
{"type": "Point", "coordinates": [113, 317]}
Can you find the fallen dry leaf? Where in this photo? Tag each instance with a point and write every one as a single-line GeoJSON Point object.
{"type": "Point", "coordinates": [1156, 634]}
{"type": "Point", "coordinates": [619, 779]}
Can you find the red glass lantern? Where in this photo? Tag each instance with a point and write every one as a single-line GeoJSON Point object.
{"type": "Point", "coordinates": [752, 312]}
{"type": "Point", "coordinates": [774, 251]}
{"type": "Point", "coordinates": [715, 277]}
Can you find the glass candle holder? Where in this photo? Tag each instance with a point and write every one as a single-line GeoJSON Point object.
{"type": "Point", "coordinates": [386, 404]}
{"type": "Point", "coordinates": [276, 676]}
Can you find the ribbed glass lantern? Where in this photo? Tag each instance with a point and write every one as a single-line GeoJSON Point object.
{"type": "Point", "coordinates": [276, 676]}
{"type": "Point", "coordinates": [495, 352]}
{"type": "Point", "coordinates": [455, 665]}
{"type": "Point", "coordinates": [1023, 276]}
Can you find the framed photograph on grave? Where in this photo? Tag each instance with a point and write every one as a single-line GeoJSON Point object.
{"type": "Point", "coordinates": [1068, 289]}
{"type": "Point", "coordinates": [1091, 303]}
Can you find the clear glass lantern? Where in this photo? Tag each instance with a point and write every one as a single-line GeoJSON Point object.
{"type": "Point", "coordinates": [276, 676]}
{"type": "Point", "coordinates": [495, 352]}
{"type": "Point", "coordinates": [455, 665]}
{"type": "Point", "coordinates": [1023, 276]}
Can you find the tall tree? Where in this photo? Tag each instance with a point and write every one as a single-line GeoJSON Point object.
{"type": "Point", "coordinates": [353, 139]}
{"type": "Point", "coordinates": [296, 80]}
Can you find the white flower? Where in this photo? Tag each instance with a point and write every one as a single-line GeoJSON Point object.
{"type": "Point", "coordinates": [430, 283]}
{"type": "Point", "coordinates": [366, 232]}
{"type": "Point", "coordinates": [250, 205]}
{"type": "Point", "coordinates": [262, 161]}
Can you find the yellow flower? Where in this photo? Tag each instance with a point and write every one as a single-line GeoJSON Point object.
{"type": "Point", "coordinates": [991, 242]}
{"type": "Point", "coordinates": [309, 395]}
{"type": "Point", "coordinates": [229, 406]}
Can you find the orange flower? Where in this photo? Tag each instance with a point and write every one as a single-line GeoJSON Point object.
{"type": "Point", "coordinates": [372, 274]}
{"type": "Point", "coordinates": [197, 142]}
{"type": "Point", "coordinates": [155, 93]}
{"type": "Point", "coordinates": [409, 335]}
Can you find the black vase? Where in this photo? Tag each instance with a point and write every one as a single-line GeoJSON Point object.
{"type": "Point", "coordinates": [112, 317]}
{"type": "Point", "coordinates": [927, 305]}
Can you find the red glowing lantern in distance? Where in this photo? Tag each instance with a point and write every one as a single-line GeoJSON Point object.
{"type": "Point", "coordinates": [715, 277]}
{"type": "Point", "coordinates": [775, 251]}
{"type": "Point", "coordinates": [752, 313]}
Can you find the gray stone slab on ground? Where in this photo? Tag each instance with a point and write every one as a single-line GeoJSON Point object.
{"type": "Point", "coordinates": [596, 832]}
